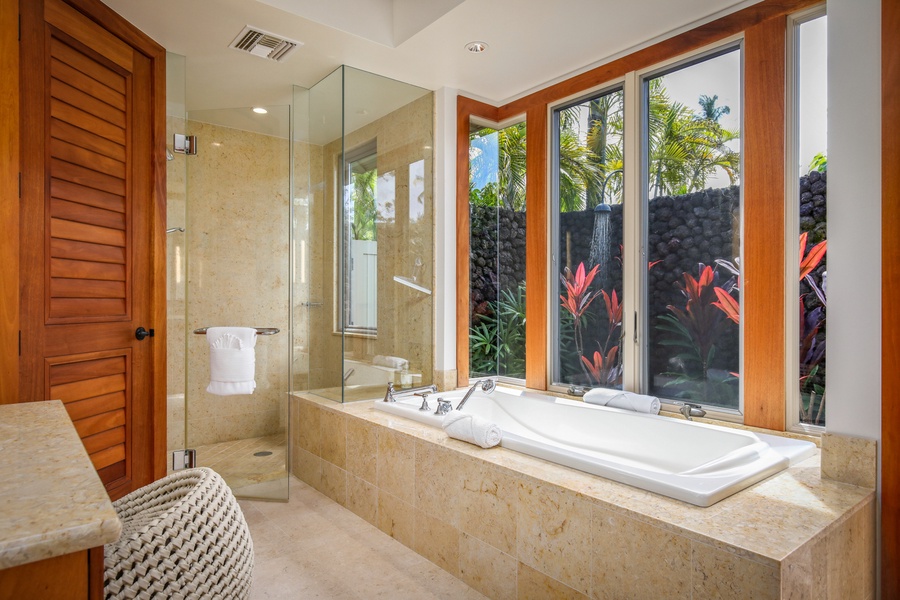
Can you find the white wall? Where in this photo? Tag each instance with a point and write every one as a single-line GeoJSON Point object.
{"type": "Point", "coordinates": [853, 380]}
{"type": "Point", "coordinates": [445, 229]}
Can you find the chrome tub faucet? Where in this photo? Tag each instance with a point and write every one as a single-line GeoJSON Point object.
{"type": "Point", "coordinates": [391, 394]}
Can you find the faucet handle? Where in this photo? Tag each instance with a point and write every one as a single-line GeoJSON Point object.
{"type": "Point", "coordinates": [424, 396]}
{"type": "Point", "coordinates": [443, 407]}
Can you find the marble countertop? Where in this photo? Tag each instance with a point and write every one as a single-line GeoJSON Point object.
{"type": "Point", "coordinates": [52, 501]}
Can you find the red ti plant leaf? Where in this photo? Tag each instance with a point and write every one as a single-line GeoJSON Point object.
{"type": "Point", "coordinates": [602, 371]}
{"type": "Point", "coordinates": [613, 309]}
{"type": "Point", "coordinates": [728, 305]}
{"type": "Point", "coordinates": [809, 262]}
{"type": "Point", "coordinates": [578, 298]}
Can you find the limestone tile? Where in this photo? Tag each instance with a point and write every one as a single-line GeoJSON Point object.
{"type": "Point", "coordinates": [362, 498]}
{"type": "Point", "coordinates": [801, 572]}
{"type": "Point", "coordinates": [309, 427]}
{"type": "Point", "coordinates": [489, 506]}
{"type": "Point", "coordinates": [720, 575]}
{"type": "Point", "coordinates": [306, 467]}
{"type": "Point", "coordinates": [850, 563]}
{"type": "Point", "coordinates": [632, 559]}
{"type": "Point", "coordinates": [486, 568]}
{"type": "Point", "coordinates": [334, 438]}
{"type": "Point", "coordinates": [396, 518]}
{"type": "Point", "coordinates": [849, 459]}
{"type": "Point", "coordinates": [554, 529]}
{"type": "Point", "coordinates": [437, 541]}
{"type": "Point", "coordinates": [396, 465]}
{"type": "Point", "coordinates": [439, 481]}
{"type": "Point", "coordinates": [446, 380]}
{"type": "Point", "coordinates": [362, 448]}
{"type": "Point", "coordinates": [334, 483]}
{"type": "Point", "coordinates": [534, 584]}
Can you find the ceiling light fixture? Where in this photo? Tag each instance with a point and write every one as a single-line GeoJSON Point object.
{"type": "Point", "coordinates": [259, 110]}
{"type": "Point", "coordinates": [476, 47]}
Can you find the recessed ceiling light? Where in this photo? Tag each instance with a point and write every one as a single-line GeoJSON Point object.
{"type": "Point", "coordinates": [476, 47]}
{"type": "Point", "coordinates": [259, 110]}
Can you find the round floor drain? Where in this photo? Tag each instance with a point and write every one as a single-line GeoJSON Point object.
{"type": "Point", "coordinates": [263, 453]}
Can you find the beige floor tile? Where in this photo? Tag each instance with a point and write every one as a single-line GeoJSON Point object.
{"type": "Point", "coordinates": [311, 547]}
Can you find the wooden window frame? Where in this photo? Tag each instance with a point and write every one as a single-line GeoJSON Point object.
{"type": "Point", "coordinates": [764, 27]}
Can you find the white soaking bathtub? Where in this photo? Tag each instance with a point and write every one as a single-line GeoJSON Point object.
{"type": "Point", "coordinates": [693, 462]}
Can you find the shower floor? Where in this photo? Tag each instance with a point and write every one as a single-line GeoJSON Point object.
{"type": "Point", "coordinates": [252, 467]}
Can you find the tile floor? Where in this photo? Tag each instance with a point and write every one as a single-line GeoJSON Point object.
{"type": "Point", "coordinates": [312, 547]}
{"type": "Point", "coordinates": [246, 473]}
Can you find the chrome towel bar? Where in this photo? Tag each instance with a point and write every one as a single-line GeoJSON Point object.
{"type": "Point", "coordinates": [259, 330]}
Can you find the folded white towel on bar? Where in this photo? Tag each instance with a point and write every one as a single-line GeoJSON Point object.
{"type": "Point", "coordinates": [625, 400]}
{"type": "Point", "coordinates": [232, 360]}
{"type": "Point", "coordinates": [392, 362]}
{"type": "Point", "coordinates": [472, 429]}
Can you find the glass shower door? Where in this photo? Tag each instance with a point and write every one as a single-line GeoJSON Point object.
{"type": "Point", "coordinates": [237, 244]}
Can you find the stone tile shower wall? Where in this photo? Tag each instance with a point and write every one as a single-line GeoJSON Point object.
{"type": "Point", "coordinates": [237, 232]}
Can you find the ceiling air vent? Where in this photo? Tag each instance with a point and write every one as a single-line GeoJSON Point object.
{"type": "Point", "coordinates": [264, 44]}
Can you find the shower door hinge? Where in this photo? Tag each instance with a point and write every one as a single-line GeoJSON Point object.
{"type": "Point", "coordinates": [184, 459]}
{"type": "Point", "coordinates": [185, 144]}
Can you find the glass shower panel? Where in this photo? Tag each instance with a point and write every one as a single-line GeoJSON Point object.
{"type": "Point", "coordinates": [176, 259]}
{"type": "Point", "coordinates": [324, 295]}
{"type": "Point", "coordinates": [238, 275]}
{"type": "Point", "coordinates": [386, 234]}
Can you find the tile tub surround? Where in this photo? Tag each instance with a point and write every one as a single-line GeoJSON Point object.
{"type": "Point", "coordinates": [849, 459]}
{"type": "Point", "coordinates": [506, 523]}
{"type": "Point", "coordinates": [53, 501]}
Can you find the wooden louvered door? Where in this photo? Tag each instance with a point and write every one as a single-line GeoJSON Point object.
{"type": "Point", "coordinates": [89, 209]}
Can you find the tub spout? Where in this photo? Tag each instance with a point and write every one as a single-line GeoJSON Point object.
{"type": "Point", "coordinates": [391, 394]}
{"type": "Point", "coordinates": [487, 386]}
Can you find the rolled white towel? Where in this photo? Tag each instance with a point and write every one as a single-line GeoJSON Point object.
{"type": "Point", "coordinates": [391, 362]}
{"type": "Point", "coordinates": [624, 400]}
{"type": "Point", "coordinates": [472, 429]}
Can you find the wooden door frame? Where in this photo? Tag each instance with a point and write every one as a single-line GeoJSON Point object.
{"type": "Point", "coordinates": [9, 201]}
{"type": "Point", "coordinates": [890, 287]}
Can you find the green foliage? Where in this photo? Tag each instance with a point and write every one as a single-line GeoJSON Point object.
{"type": "Point", "coordinates": [497, 341]}
{"type": "Point", "coordinates": [362, 203]}
{"type": "Point", "coordinates": [819, 163]}
{"type": "Point", "coordinates": [686, 147]}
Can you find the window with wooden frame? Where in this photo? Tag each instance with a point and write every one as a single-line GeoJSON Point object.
{"type": "Point", "coordinates": [763, 28]}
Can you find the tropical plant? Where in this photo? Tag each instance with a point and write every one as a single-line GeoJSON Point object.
{"type": "Point", "coordinates": [604, 371]}
{"type": "Point", "coordinates": [697, 326]}
{"type": "Point", "coordinates": [362, 203]}
{"type": "Point", "coordinates": [685, 148]}
{"type": "Point", "coordinates": [497, 340]}
{"type": "Point", "coordinates": [578, 298]}
{"type": "Point", "coordinates": [819, 163]}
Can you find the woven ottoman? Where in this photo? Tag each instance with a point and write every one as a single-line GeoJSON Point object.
{"type": "Point", "coordinates": [183, 536]}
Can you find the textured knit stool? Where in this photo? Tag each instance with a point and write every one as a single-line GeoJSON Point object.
{"type": "Point", "coordinates": [183, 536]}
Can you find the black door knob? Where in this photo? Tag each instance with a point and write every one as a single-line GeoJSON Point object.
{"type": "Point", "coordinates": [140, 333]}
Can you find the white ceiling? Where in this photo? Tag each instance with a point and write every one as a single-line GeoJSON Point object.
{"type": "Point", "coordinates": [421, 42]}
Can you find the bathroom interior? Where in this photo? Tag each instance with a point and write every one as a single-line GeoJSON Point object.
{"type": "Point", "coordinates": [369, 221]}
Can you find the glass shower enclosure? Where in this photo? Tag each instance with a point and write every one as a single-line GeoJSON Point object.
{"type": "Point", "coordinates": [363, 236]}
{"type": "Point", "coordinates": [313, 223]}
